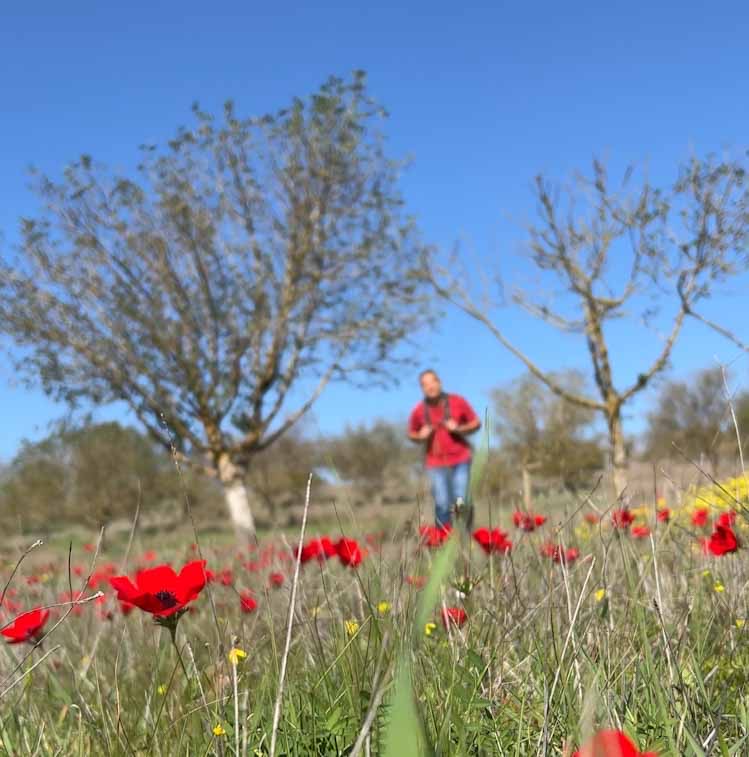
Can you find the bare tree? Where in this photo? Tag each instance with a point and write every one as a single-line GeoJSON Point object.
{"type": "Point", "coordinates": [254, 261]}
{"type": "Point", "coordinates": [616, 254]}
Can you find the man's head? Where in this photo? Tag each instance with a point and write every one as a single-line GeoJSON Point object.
{"type": "Point", "coordinates": [430, 384]}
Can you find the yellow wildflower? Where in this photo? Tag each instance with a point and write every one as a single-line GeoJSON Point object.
{"type": "Point", "coordinates": [740, 622]}
{"type": "Point", "coordinates": [719, 587]}
{"type": "Point", "coordinates": [600, 594]}
{"type": "Point", "coordinates": [236, 654]}
{"type": "Point", "coordinates": [706, 573]}
{"type": "Point", "coordinates": [430, 628]}
{"type": "Point", "coordinates": [218, 730]}
{"type": "Point", "coordinates": [351, 627]}
{"type": "Point", "coordinates": [161, 690]}
{"type": "Point", "coordinates": [383, 608]}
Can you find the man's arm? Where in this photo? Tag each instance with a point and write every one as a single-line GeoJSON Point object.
{"type": "Point", "coordinates": [467, 422]}
{"type": "Point", "coordinates": [418, 431]}
{"type": "Point", "coordinates": [463, 428]}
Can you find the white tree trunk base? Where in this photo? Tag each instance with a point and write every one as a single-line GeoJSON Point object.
{"type": "Point", "coordinates": [238, 502]}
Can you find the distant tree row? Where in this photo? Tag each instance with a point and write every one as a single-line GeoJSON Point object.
{"type": "Point", "coordinates": [96, 473]}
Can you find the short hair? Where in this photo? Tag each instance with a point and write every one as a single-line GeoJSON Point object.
{"type": "Point", "coordinates": [426, 371]}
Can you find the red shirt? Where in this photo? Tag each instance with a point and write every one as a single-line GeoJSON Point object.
{"type": "Point", "coordinates": [444, 448]}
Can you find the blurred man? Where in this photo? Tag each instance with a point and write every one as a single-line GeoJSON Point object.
{"type": "Point", "coordinates": [441, 422]}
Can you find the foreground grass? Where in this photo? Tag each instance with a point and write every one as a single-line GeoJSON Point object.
{"type": "Point", "coordinates": [647, 635]}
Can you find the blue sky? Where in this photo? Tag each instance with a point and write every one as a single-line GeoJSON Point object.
{"type": "Point", "coordinates": [481, 98]}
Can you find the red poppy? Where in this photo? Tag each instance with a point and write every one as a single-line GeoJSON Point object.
{"type": "Point", "coordinates": [622, 518]}
{"type": "Point", "coordinates": [726, 519]}
{"type": "Point", "coordinates": [225, 577]}
{"type": "Point", "coordinates": [309, 551]}
{"type": "Point", "coordinates": [160, 590]}
{"type": "Point", "coordinates": [592, 518]}
{"type": "Point", "coordinates": [318, 549]}
{"type": "Point", "coordinates": [640, 532]}
{"type": "Point", "coordinates": [102, 575]}
{"type": "Point", "coordinates": [455, 615]}
{"type": "Point", "coordinates": [558, 554]}
{"type": "Point", "coordinates": [276, 579]}
{"type": "Point", "coordinates": [26, 627]}
{"type": "Point", "coordinates": [699, 517]}
{"type": "Point", "coordinates": [329, 548]}
{"type": "Point", "coordinates": [664, 515]}
{"type": "Point", "coordinates": [527, 521]}
{"type": "Point", "coordinates": [434, 536]}
{"type": "Point", "coordinates": [611, 744]}
{"type": "Point", "coordinates": [349, 552]}
{"type": "Point", "coordinates": [247, 601]}
{"type": "Point", "coordinates": [492, 541]}
{"type": "Point", "coordinates": [722, 541]}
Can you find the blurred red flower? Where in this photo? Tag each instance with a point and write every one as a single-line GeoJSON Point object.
{"type": "Point", "coordinates": [640, 532]}
{"type": "Point", "coordinates": [592, 518]}
{"type": "Point", "coordinates": [726, 519]}
{"type": "Point", "coordinates": [622, 518]}
{"type": "Point", "coordinates": [722, 541]}
{"type": "Point", "coordinates": [527, 521]}
{"type": "Point", "coordinates": [558, 554]}
{"type": "Point", "coordinates": [455, 615]}
{"type": "Point", "coordinates": [276, 579]}
{"type": "Point", "coordinates": [349, 552]}
{"type": "Point", "coordinates": [492, 541]}
{"type": "Point", "coordinates": [699, 517]}
{"type": "Point", "coordinates": [664, 515]}
{"type": "Point", "coordinates": [26, 627]}
{"type": "Point", "coordinates": [417, 581]}
{"type": "Point", "coordinates": [247, 601]}
{"type": "Point", "coordinates": [611, 744]}
{"type": "Point", "coordinates": [434, 536]}
{"type": "Point", "coordinates": [160, 590]}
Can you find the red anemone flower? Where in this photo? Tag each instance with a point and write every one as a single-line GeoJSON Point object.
{"type": "Point", "coordinates": [434, 536]}
{"type": "Point", "coordinates": [160, 590]}
{"type": "Point", "coordinates": [640, 532]}
{"type": "Point", "coordinates": [492, 541]}
{"type": "Point", "coordinates": [663, 516]}
{"type": "Point", "coordinates": [310, 551]}
{"type": "Point", "coordinates": [455, 615]}
{"type": "Point", "coordinates": [726, 519]}
{"type": "Point", "coordinates": [558, 554]}
{"type": "Point", "coordinates": [622, 518]}
{"type": "Point", "coordinates": [722, 541]}
{"type": "Point", "coordinates": [329, 549]}
{"type": "Point", "coordinates": [699, 517]}
{"type": "Point", "coordinates": [247, 601]}
{"type": "Point", "coordinates": [26, 627]}
{"type": "Point", "coordinates": [276, 579]}
{"type": "Point", "coordinates": [527, 521]}
{"type": "Point", "coordinates": [349, 552]}
{"type": "Point", "coordinates": [611, 744]}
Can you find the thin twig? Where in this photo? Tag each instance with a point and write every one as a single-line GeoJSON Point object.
{"type": "Point", "coordinates": [292, 600]}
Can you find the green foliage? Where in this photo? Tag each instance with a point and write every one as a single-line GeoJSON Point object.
{"type": "Point", "coordinates": [544, 432]}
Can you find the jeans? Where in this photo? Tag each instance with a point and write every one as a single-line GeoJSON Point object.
{"type": "Point", "coordinates": [448, 483]}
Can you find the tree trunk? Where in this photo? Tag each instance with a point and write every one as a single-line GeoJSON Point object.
{"type": "Point", "coordinates": [237, 500]}
{"type": "Point", "coordinates": [527, 489]}
{"type": "Point", "coordinates": [618, 453]}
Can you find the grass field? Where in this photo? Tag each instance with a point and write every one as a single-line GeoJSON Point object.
{"type": "Point", "coordinates": [587, 621]}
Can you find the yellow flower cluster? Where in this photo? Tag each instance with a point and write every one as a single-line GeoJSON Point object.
{"type": "Point", "coordinates": [721, 496]}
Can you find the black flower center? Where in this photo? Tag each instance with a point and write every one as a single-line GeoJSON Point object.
{"type": "Point", "coordinates": [166, 598]}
